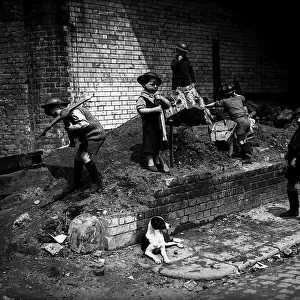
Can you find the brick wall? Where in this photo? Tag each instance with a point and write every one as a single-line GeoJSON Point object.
{"type": "Point", "coordinates": [67, 48]}
{"type": "Point", "coordinates": [196, 199]}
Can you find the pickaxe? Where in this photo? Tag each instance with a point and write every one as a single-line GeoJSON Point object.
{"type": "Point", "coordinates": [64, 113]}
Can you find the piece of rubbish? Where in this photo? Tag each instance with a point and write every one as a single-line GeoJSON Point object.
{"type": "Point", "coordinates": [8, 298]}
{"type": "Point", "coordinates": [52, 248]}
{"type": "Point", "coordinates": [287, 252]}
{"type": "Point", "coordinates": [130, 277]}
{"type": "Point", "coordinates": [98, 268]}
{"type": "Point", "coordinates": [259, 266]}
{"type": "Point", "coordinates": [190, 285]}
{"type": "Point", "coordinates": [97, 253]}
{"type": "Point", "coordinates": [102, 211]}
{"type": "Point", "coordinates": [262, 149]}
{"type": "Point", "coordinates": [59, 238]}
{"type": "Point", "coordinates": [36, 202]}
{"type": "Point", "coordinates": [277, 256]}
{"type": "Point", "coordinates": [21, 220]}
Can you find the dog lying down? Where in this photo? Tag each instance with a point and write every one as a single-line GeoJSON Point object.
{"type": "Point", "coordinates": [156, 240]}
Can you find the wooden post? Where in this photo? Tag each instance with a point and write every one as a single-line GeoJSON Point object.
{"type": "Point", "coordinates": [171, 147]}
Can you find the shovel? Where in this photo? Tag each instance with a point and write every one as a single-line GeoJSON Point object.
{"type": "Point", "coordinates": [64, 113]}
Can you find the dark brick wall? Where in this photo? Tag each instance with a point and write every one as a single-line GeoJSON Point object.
{"type": "Point", "coordinates": [34, 64]}
{"type": "Point", "coordinates": [68, 48]}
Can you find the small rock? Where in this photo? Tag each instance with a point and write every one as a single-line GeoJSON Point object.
{"type": "Point", "coordinates": [287, 252]}
{"type": "Point", "coordinates": [21, 220]}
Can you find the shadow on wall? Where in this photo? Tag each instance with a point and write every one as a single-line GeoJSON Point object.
{"type": "Point", "coordinates": [158, 27]}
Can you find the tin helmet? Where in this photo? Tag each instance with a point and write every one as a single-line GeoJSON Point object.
{"type": "Point", "coordinates": [54, 101]}
{"type": "Point", "coordinates": [227, 90]}
{"type": "Point", "coordinates": [183, 47]}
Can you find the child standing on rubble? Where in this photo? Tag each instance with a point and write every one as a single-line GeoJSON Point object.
{"type": "Point", "coordinates": [150, 106]}
{"type": "Point", "coordinates": [81, 126]}
{"type": "Point", "coordinates": [234, 105]}
{"type": "Point", "coordinates": [183, 81]}
{"type": "Point", "coordinates": [183, 75]}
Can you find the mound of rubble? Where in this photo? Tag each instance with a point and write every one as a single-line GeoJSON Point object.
{"type": "Point", "coordinates": [129, 186]}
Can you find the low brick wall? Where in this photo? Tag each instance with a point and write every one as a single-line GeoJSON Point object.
{"type": "Point", "coordinates": [196, 199]}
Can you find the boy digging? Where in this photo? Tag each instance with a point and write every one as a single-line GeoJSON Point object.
{"type": "Point", "coordinates": [82, 126]}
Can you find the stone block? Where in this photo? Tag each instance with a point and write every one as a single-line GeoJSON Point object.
{"type": "Point", "coordinates": [85, 234]}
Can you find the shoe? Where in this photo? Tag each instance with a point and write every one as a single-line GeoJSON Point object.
{"type": "Point", "coordinates": [73, 187]}
{"type": "Point", "coordinates": [248, 161]}
{"type": "Point", "coordinates": [95, 187]}
{"type": "Point", "coordinates": [289, 213]}
{"type": "Point", "coordinates": [152, 168]}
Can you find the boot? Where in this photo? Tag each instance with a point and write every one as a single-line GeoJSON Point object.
{"type": "Point", "coordinates": [294, 205]}
{"type": "Point", "coordinates": [247, 153]}
{"type": "Point", "coordinates": [78, 167]}
{"type": "Point", "coordinates": [97, 183]}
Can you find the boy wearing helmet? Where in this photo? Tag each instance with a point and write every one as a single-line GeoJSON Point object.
{"type": "Point", "coordinates": [293, 170]}
{"type": "Point", "coordinates": [234, 105]}
{"type": "Point", "coordinates": [183, 75]}
{"type": "Point", "coordinates": [83, 127]}
{"type": "Point", "coordinates": [150, 106]}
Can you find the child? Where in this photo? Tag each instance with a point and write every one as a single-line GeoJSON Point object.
{"type": "Point", "coordinates": [234, 104]}
{"type": "Point", "coordinates": [150, 106]}
{"type": "Point", "coordinates": [80, 125]}
{"type": "Point", "coordinates": [183, 76]}
{"type": "Point", "coordinates": [293, 170]}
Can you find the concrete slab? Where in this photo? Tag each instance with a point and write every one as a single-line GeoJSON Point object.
{"type": "Point", "coordinates": [197, 268]}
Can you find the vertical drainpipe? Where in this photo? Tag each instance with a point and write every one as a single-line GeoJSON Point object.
{"type": "Point", "coordinates": [216, 68]}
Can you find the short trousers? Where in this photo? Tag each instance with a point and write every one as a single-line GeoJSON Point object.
{"type": "Point", "coordinates": [242, 127]}
{"type": "Point", "coordinates": [91, 147]}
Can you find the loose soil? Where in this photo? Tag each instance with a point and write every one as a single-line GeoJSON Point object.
{"type": "Point", "coordinates": [28, 272]}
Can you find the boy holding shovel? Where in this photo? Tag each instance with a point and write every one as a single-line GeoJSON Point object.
{"type": "Point", "coordinates": [150, 106]}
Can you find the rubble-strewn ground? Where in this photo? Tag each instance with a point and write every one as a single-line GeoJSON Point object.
{"type": "Point", "coordinates": [28, 272]}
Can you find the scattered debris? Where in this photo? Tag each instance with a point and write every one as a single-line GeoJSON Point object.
{"type": "Point", "coordinates": [7, 298]}
{"type": "Point", "coordinates": [36, 202]}
{"type": "Point", "coordinates": [21, 220]}
{"type": "Point", "coordinates": [287, 252]}
{"type": "Point", "coordinates": [52, 248]}
{"type": "Point", "coordinates": [258, 266]}
{"type": "Point", "coordinates": [190, 285]}
{"type": "Point", "coordinates": [98, 268]}
{"type": "Point", "coordinates": [97, 253]}
{"type": "Point", "coordinates": [59, 238]}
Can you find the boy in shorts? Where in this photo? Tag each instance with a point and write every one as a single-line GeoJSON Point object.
{"type": "Point", "coordinates": [83, 127]}
{"type": "Point", "coordinates": [234, 105]}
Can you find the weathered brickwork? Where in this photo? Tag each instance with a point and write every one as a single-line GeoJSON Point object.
{"type": "Point", "coordinates": [196, 199]}
{"type": "Point", "coordinates": [67, 48]}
